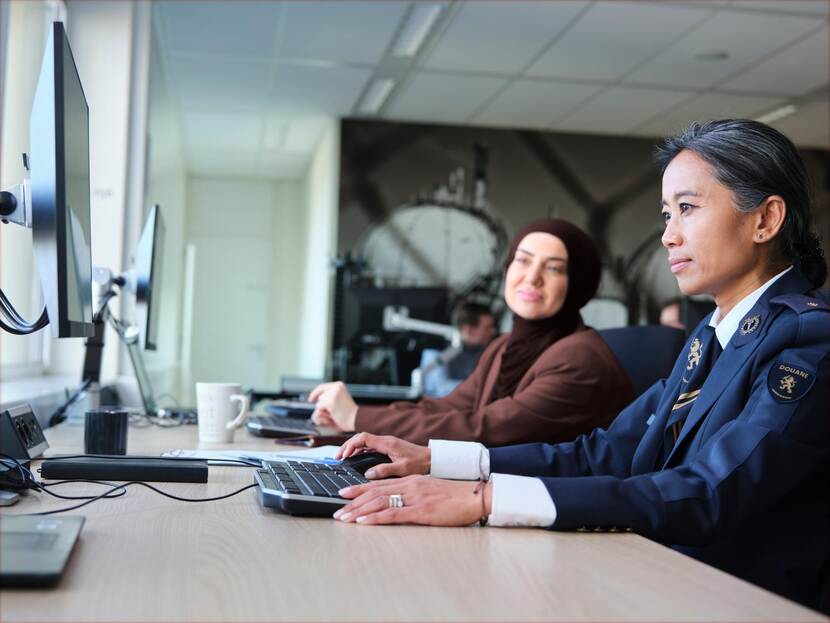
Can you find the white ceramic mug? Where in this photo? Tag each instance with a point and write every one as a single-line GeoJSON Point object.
{"type": "Point", "coordinates": [218, 417]}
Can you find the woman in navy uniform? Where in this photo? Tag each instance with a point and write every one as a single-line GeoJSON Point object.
{"type": "Point", "coordinates": [727, 460]}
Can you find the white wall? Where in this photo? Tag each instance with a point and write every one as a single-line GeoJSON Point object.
{"type": "Point", "coordinates": [247, 236]}
{"type": "Point", "coordinates": [21, 57]}
{"type": "Point", "coordinates": [166, 185]}
{"type": "Point", "coordinates": [321, 198]}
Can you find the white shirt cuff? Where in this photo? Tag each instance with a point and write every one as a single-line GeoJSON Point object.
{"type": "Point", "coordinates": [458, 460]}
{"type": "Point", "coordinates": [521, 501]}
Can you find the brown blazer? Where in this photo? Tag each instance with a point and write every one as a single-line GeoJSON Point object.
{"type": "Point", "coordinates": [574, 386]}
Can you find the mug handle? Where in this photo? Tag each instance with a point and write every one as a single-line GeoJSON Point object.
{"type": "Point", "coordinates": [244, 402]}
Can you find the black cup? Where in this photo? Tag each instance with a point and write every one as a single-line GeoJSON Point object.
{"type": "Point", "coordinates": [105, 431]}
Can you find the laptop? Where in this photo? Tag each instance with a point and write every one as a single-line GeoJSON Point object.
{"type": "Point", "coordinates": [186, 414]}
{"type": "Point", "coordinates": [34, 550]}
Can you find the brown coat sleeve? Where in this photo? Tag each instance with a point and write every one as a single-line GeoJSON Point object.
{"type": "Point", "coordinates": [576, 385]}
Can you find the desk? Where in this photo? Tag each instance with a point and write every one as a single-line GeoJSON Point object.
{"type": "Point", "coordinates": [144, 557]}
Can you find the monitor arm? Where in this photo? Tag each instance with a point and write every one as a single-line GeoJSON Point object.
{"type": "Point", "coordinates": [16, 202]}
{"type": "Point", "coordinates": [397, 319]}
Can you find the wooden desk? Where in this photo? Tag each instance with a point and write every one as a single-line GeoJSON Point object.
{"type": "Point", "coordinates": [144, 557]}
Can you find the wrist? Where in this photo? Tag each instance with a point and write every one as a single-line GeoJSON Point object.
{"type": "Point", "coordinates": [488, 498]}
{"type": "Point", "coordinates": [351, 419]}
{"type": "Point", "coordinates": [426, 462]}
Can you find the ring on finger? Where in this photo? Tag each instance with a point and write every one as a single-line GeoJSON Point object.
{"type": "Point", "coordinates": [395, 501]}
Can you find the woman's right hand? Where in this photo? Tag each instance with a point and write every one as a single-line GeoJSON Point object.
{"type": "Point", "coordinates": [407, 458]}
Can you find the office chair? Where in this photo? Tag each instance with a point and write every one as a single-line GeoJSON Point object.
{"type": "Point", "coordinates": [646, 353]}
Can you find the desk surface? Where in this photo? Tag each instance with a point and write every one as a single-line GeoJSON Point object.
{"type": "Point", "coordinates": [144, 557]}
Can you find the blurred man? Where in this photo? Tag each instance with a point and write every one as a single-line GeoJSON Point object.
{"type": "Point", "coordinates": [477, 325]}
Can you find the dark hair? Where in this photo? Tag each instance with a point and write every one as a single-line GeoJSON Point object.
{"type": "Point", "coordinates": [468, 314]}
{"type": "Point", "coordinates": [755, 161]}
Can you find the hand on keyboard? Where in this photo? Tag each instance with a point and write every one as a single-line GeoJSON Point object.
{"type": "Point", "coordinates": [426, 500]}
{"type": "Point", "coordinates": [407, 458]}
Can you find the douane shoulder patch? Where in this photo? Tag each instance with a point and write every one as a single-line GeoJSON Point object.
{"type": "Point", "coordinates": [801, 303]}
{"type": "Point", "coordinates": [788, 382]}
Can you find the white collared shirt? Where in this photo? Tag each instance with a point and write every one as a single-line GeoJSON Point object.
{"type": "Point", "coordinates": [725, 327]}
{"type": "Point", "coordinates": [524, 500]}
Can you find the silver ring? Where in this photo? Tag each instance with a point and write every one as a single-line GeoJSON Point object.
{"type": "Point", "coordinates": [395, 501]}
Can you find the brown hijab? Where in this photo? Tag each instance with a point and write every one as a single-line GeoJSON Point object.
{"type": "Point", "coordinates": [530, 338]}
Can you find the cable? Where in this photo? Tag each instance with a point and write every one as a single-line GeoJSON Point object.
{"type": "Point", "coordinates": [14, 322]}
{"type": "Point", "coordinates": [28, 479]}
{"type": "Point", "coordinates": [59, 414]}
{"type": "Point", "coordinates": [144, 484]}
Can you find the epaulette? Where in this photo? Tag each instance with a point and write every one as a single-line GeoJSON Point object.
{"type": "Point", "coordinates": [801, 303]}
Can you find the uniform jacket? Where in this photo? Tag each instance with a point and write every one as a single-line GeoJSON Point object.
{"type": "Point", "coordinates": [747, 486]}
{"type": "Point", "coordinates": [574, 386]}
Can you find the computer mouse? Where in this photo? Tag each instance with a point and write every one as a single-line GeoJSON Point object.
{"type": "Point", "coordinates": [363, 461]}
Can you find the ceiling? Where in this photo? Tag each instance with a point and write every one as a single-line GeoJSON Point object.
{"type": "Point", "coordinates": [255, 82]}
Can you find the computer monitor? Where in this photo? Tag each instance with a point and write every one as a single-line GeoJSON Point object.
{"type": "Point", "coordinates": [59, 159]}
{"type": "Point", "coordinates": [147, 266]}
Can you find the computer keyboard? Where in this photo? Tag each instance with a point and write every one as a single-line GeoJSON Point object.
{"type": "Point", "coordinates": [305, 487]}
{"type": "Point", "coordinates": [279, 426]}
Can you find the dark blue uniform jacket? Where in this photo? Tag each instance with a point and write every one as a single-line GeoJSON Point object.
{"type": "Point", "coordinates": [746, 488]}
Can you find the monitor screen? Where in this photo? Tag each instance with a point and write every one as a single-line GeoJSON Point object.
{"type": "Point", "coordinates": [148, 267]}
{"type": "Point", "coordinates": [61, 229]}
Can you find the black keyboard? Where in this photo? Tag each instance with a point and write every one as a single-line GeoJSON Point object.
{"type": "Point", "coordinates": [305, 487]}
{"type": "Point", "coordinates": [279, 426]}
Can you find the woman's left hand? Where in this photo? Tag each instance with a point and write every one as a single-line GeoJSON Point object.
{"type": "Point", "coordinates": [426, 500]}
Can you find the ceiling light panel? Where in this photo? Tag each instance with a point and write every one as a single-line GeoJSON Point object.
{"type": "Point", "coordinates": [375, 96]}
{"type": "Point", "coordinates": [809, 126]}
{"type": "Point", "coordinates": [620, 109]}
{"type": "Point", "coordinates": [355, 32]}
{"type": "Point", "coordinates": [223, 28]}
{"type": "Point", "coordinates": [448, 98]}
{"type": "Point", "coordinates": [534, 104]}
{"type": "Point", "coordinates": [746, 36]}
{"type": "Point", "coordinates": [417, 27]}
{"type": "Point", "coordinates": [613, 38]}
{"type": "Point", "coordinates": [794, 71]}
{"type": "Point", "coordinates": [500, 37]}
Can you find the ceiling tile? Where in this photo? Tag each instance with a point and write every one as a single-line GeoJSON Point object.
{"type": "Point", "coordinates": [357, 32]}
{"type": "Point", "coordinates": [809, 126]}
{"type": "Point", "coordinates": [746, 37]}
{"type": "Point", "coordinates": [705, 107]}
{"type": "Point", "coordinates": [620, 109]}
{"type": "Point", "coordinates": [221, 131]}
{"type": "Point", "coordinates": [447, 98]}
{"type": "Point", "coordinates": [811, 7]}
{"type": "Point", "coordinates": [613, 38]}
{"type": "Point", "coordinates": [274, 164]}
{"type": "Point", "coordinates": [304, 134]}
{"type": "Point", "coordinates": [220, 85]}
{"type": "Point", "coordinates": [500, 37]}
{"type": "Point", "coordinates": [797, 70]}
{"type": "Point", "coordinates": [534, 103]}
{"type": "Point", "coordinates": [229, 28]}
{"type": "Point", "coordinates": [310, 90]}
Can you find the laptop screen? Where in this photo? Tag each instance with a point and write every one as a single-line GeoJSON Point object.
{"type": "Point", "coordinates": [144, 386]}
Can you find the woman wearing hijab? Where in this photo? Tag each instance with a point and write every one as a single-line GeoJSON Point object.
{"type": "Point", "coordinates": [550, 379]}
{"type": "Point", "coordinates": [727, 460]}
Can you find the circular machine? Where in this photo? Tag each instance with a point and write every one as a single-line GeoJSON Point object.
{"type": "Point", "coordinates": [436, 244]}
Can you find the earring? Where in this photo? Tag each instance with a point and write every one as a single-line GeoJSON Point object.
{"type": "Point", "coordinates": [760, 237]}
